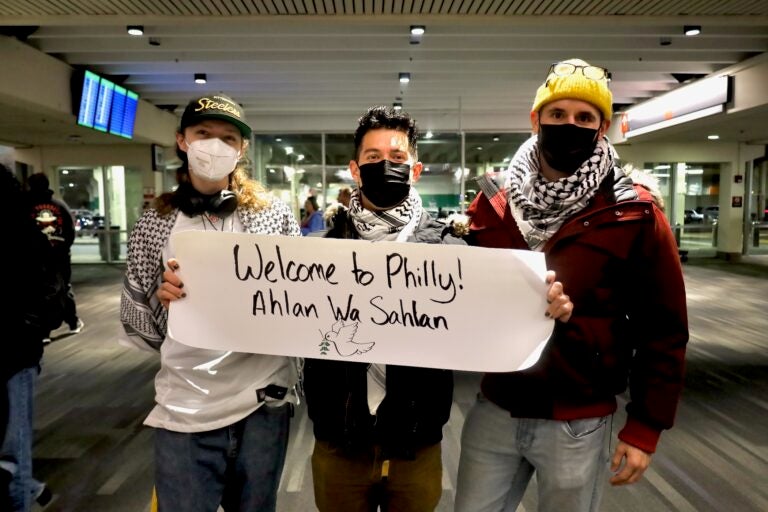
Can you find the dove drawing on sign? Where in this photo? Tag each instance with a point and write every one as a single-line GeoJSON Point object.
{"type": "Point", "coordinates": [341, 337]}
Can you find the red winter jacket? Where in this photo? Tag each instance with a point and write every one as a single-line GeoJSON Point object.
{"type": "Point", "coordinates": [619, 264]}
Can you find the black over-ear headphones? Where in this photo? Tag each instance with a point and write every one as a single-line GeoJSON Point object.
{"type": "Point", "coordinates": [190, 201]}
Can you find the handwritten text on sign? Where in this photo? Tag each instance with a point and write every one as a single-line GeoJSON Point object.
{"type": "Point", "coordinates": [441, 306]}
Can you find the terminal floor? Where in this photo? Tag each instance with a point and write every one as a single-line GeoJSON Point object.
{"type": "Point", "coordinates": [91, 447]}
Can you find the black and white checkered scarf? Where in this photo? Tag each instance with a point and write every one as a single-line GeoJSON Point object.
{"type": "Point", "coordinates": [540, 206]}
{"type": "Point", "coordinates": [393, 224]}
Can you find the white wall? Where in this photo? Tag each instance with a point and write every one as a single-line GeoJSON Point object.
{"type": "Point", "coordinates": [48, 158]}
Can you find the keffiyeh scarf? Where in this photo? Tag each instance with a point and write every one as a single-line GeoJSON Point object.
{"type": "Point", "coordinates": [394, 224]}
{"type": "Point", "coordinates": [540, 206]}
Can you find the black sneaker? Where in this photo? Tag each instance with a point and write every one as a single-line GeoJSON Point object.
{"type": "Point", "coordinates": [45, 496]}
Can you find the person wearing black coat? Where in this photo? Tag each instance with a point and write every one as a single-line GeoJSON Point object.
{"type": "Point", "coordinates": [55, 220]}
{"type": "Point", "coordinates": [29, 272]}
{"type": "Point", "coordinates": [378, 427]}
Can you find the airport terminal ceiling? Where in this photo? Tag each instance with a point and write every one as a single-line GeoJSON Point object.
{"type": "Point", "coordinates": [327, 59]}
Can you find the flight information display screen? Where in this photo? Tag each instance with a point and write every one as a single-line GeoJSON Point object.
{"type": "Point", "coordinates": [129, 116]}
{"type": "Point", "coordinates": [123, 115]}
{"type": "Point", "coordinates": [88, 97]}
{"type": "Point", "coordinates": [104, 105]}
{"type": "Point", "coordinates": [118, 109]}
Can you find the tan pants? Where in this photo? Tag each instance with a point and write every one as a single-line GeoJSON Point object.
{"type": "Point", "coordinates": [365, 482]}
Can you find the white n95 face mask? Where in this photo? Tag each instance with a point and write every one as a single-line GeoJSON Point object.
{"type": "Point", "coordinates": [211, 159]}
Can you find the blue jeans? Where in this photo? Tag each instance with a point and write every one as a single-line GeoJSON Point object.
{"type": "Point", "coordinates": [499, 455]}
{"type": "Point", "coordinates": [17, 445]}
{"type": "Point", "coordinates": [237, 467]}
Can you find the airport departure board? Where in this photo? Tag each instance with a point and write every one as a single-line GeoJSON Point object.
{"type": "Point", "coordinates": [104, 105]}
{"type": "Point", "coordinates": [88, 97]}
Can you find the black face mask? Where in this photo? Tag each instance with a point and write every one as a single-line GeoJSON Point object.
{"type": "Point", "coordinates": [190, 201]}
{"type": "Point", "coordinates": [385, 184]}
{"type": "Point", "coordinates": [566, 146]}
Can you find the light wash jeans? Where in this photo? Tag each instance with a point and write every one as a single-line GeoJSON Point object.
{"type": "Point", "coordinates": [499, 455]}
{"type": "Point", "coordinates": [238, 466]}
{"type": "Point", "coordinates": [17, 445]}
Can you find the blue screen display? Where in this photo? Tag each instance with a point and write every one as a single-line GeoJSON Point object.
{"type": "Point", "coordinates": [103, 105]}
{"type": "Point", "coordinates": [116, 116]}
{"type": "Point", "coordinates": [88, 99]}
{"type": "Point", "coordinates": [106, 106]}
{"type": "Point", "coordinates": [129, 117]}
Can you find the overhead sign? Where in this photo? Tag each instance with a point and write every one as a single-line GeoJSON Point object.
{"type": "Point", "coordinates": [702, 98]}
{"type": "Point", "coordinates": [439, 306]}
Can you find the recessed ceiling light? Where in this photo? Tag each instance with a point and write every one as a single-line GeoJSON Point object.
{"type": "Point", "coordinates": [397, 106]}
{"type": "Point", "coordinates": [495, 138]}
{"type": "Point", "coordinates": [404, 78]}
{"type": "Point", "coordinates": [416, 32]}
{"type": "Point", "coordinates": [429, 135]}
{"type": "Point", "coordinates": [692, 30]}
{"type": "Point", "coordinates": [135, 30]}
{"type": "Point", "coordinates": [713, 137]}
{"type": "Point", "coordinates": [201, 78]}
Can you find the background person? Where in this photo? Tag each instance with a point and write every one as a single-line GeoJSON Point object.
{"type": "Point", "coordinates": [221, 420]}
{"type": "Point", "coordinates": [344, 196]}
{"type": "Point", "coordinates": [342, 201]}
{"type": "Point", "coordinates": [30, 270]}
{"type": "Point", "coordinates": [313, 218]}
{"type": "Point", "coordinates": [55, 220]}
{"type": "Point", "coordinates": [566, 196]}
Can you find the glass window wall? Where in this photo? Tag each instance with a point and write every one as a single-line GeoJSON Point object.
{"type": "Point", "coordinates": [103, 200]}
{"type": "Point", "coordinates": [757, 242]}
{"type": "Point", "coordinates": [691, 193]}
{"type": "Point", "coordinates": [291, 166]}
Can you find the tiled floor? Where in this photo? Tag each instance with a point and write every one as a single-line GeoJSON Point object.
{"type": "Point", "coordinates": [93, 395]}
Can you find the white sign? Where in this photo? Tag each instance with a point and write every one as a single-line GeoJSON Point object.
{"type": "Point", "coordinates": [439, 306]}
{"type": "Point", "coordinates": [692, 101]}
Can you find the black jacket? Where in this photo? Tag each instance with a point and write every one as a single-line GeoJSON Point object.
{"type": "Point", "coordinates": [55, 220]}
{"type": "Point", "coordinates": [31, 282]}
{"type": "Point", "coordinates": [417, 402]}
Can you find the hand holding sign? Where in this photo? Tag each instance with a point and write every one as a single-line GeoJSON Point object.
{"type": "Point", "coordinates": [441, 306]}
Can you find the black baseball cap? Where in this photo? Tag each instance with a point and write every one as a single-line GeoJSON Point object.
{"type": "Point", "coordinates": [215, 106]}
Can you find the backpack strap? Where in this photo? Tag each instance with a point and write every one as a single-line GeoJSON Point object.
{"type": "Point", "coordinates": [496, 196]}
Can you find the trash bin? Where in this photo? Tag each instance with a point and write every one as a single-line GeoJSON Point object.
{"type": "Point", "coordinates": [678, 234]}
{"type": "Point", "coordinates": [111, 237]}
{"type": "Point", "coordinates": [755, 234]}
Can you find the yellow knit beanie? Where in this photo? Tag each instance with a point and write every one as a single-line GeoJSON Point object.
{"type": "Point", "coordinates": [575, 86]}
